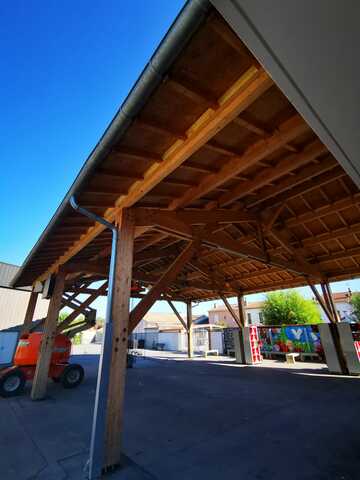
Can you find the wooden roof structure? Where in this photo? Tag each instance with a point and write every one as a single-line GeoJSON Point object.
{"type": "Point", "coordinates": [217, 155]}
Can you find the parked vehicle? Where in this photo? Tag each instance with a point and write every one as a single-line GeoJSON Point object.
{"type": "Point", "coordinates": [13, 378]}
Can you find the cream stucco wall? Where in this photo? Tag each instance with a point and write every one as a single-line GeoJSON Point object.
{"type": "Point", "coordinates": [13, 304]}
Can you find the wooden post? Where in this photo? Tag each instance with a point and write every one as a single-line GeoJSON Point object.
{"type": "Point", "coordinates": [231, 310]}
{"type": "Point", "coordinates": [174, 309]}
{"type": "Point", "coordinates": [29, 315]}
{"type": "Point", "coordinates": [209, 338]}
{"type": "Point", "coordinates": [331, 302]}
{"type": "Point", "coordinates": [322, 303]}
{"type": "Point", "coordinates": [327, 301]}
{"type": "Point", "coordinates": [242, 313]}
{"type": "Point", "coordinates": [243, 323]}
{"type": "Point", "coordinates": [42, 367]}
{"type": "Point", "coordinates": [120, 316]}
{"type": "Point", "coordinates": [189, 329]}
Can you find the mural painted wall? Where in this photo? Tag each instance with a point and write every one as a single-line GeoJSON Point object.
{"type": "Point", "coordinates": [291, 338]}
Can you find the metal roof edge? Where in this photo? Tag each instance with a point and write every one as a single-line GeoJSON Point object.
{"type": "Point", "coordinates": [184, 26]}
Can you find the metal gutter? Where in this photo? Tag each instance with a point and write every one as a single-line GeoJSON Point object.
{"type": "Point", "coordinates": [185, 25]}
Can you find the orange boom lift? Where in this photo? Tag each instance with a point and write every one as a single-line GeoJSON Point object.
{"type": "Point", "coordinates": [13, 379]}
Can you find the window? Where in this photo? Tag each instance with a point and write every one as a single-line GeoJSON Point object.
{"type": "Point", "coordinates": [249, 318]}
{"type": "Point", "coordinates": [261, 318]}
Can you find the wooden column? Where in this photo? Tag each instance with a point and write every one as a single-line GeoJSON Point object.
{"type": "Point", "coordinates": [242, 313]}
{"type": "Point", "coordinates": [42, 367]}
{"type": "Point", "coordinates": [231, 310]}
{"type": "Point", "coordinates": [174, 309]}
{"type": "Point", "coordinates": [189, 329]}
{"type": "Point", "coordinates": [329, 310]}
{"type": "Point", "coordinates": [120, 316]}
{"type": "Point", "coordinates": [243, 323]}
{"type": "Point", "coordinates": [322, 303]}
{"type": "Point", "coordinates": [209, 338]}
{"type": "Point", "coordinates": [29, 315]}
{"type": "Point", "coordinates": [327, 302]}
{"type": "Point", "coordinates": [331, 302]}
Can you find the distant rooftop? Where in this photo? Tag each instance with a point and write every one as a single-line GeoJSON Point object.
{"type": "Point", "coordinates": [7, 273]}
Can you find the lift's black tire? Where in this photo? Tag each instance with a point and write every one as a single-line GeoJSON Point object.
{"type": "Point", "coordinates": [12, 383]}
{"type": "Point", "coordinates": [72, 376]}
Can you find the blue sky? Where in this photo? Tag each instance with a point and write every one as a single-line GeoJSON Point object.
{"type": "Point", "coordinates": [65, 69]}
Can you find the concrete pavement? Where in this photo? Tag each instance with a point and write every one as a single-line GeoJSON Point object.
{"type": "Point", "coordinates": [194, 419]}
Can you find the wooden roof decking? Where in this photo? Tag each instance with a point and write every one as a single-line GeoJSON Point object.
{"type": "Point", "coordinates": [218, 134]}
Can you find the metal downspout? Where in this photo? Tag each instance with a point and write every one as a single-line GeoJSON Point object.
{"type": "Point", "coordinates": [96, 458]}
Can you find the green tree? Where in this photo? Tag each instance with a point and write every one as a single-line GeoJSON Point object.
{"type": "Point", "coordinates": [355, 302]}
{"type": "Point", "coordinates": [289, 307]}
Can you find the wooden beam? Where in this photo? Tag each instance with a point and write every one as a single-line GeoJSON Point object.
{"type": "Point", "coordinates": [242, 313]}
{"type": "Point", "coordinates": [284, 236]}
{"type": "Point", "coordinates": [156, 216]}
{"type": "Point", "coordinates": [156, 253]}
{"type": "Point", "coordinates": [231, 310]}
{"type": "Point", "coordinates": [98, 267]}
{"type": "Point", "coordinates": [189, 330]}
{"type": "Point", "coordinates": [38, 390]}
{"type": "Point", "coordinates": [192, 92]}
{"type": "Point", "coordinates": [231, 246]}
{"type": "Point", "coordinates": [272, 217]}
{"type": "Point", "coordinates": [321, 302]}
{"type": "Point", "coordinates": [331, 301]}
{"type": "Point", "coordinates": [152, 279]}
{"type": "Point", "coordinates": [160, 129]}
{"type": "Point", "coordinates": [226, 243]}
{"type": "Point", "coordinates": [136, 154]}
{"type": "Point", "coordinates": [267, 176]}
{"type": "Point", "coordinates": [334, 207]}
{"type": "Point", "coordinates": [287, 131]}
{"type": "Point", "coordinates": [347, 253]}
{"type": "Point", "coordinates": [120, 315]}
{"type": "Point", "coordinates": [250, 86]}
{"type": "Point", "coordinates": [175, 310]}
{"type": "Point", "coordinates": [86, 303]}
{"type": "Point", "coordinates": [333, 235]}
{"type": "Point", "coordinates": [29, 315]}
{"type": "Point", "coordinates": [310, 177]}
{"type": "Point", "coordinates": [84, 290]}
{"type": "Point", "coordinates": [227, 34]}
{"type": "Point", "coordinates": [217, 278]}
{"type": "Point", "coordinates": [243, 322]}
{"type": "Point", "coordinates": [169, 276]}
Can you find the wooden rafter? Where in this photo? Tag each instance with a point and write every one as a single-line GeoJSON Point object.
{"type": "Point", "coordinates": [231, 310]}
{"type": "Point", "coordinates": [86, 303]}
{"type": "Point", "coordinates": [267, 176]}
{"type": "Point", "coordinates": [327, 209]}
{"type": "Point", "coordinates": [223, 242]}
{"type": "Point", "coordinates": [238, 97]}
{"type": "Point", "coordinates": [155, 216]}
{"type": "Point", "coordinates": [288, 131]}
{"type": "Point", "coordinates": [175, 310]}
{"type": "Point", "coordinates": [170, 275]}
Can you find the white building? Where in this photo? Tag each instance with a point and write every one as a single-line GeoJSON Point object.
{"type": "Point", "coordinates": [253, 310]}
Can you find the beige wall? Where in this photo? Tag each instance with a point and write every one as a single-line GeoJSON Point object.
{"type": "Point", "coordinates": [222, 316]}
{"type": "Point", "coordinates": [13, 304]}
